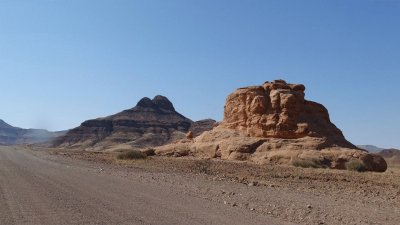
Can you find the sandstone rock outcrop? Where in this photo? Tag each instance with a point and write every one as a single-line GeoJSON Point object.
{"type": "Point", "coordinates": [273, 123]}
{"type": "Point", "coordinates": [279, 110]}
{"type": "Point", "coordinates": [152, 122]}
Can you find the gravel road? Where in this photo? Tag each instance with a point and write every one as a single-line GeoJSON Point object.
{"type": "Point", "coordinates": [35, 189]}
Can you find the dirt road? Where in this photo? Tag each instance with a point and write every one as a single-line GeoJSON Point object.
{"type": "Point", "coordinates": [37, 190]}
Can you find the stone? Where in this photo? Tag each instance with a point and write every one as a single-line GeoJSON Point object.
{"type": "Point", "coordinates": [189, 135]}
{"type": "Point", "coordinates": [252, 184]}
{"type": "Point", "coordinates": [374, 162]}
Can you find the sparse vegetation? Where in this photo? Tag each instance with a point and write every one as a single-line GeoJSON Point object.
{"type": "Point", "coordinates": [201, 166]}
{"type": "Point", "coordinates": [355, 165]}
{"type": "Point", "coordinates": [307, 163]}
{"type": "Point", "coordinates": [131, 154]}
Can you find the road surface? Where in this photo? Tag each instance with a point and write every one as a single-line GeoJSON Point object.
{"type": "Point", "coordinates": [37, 190]}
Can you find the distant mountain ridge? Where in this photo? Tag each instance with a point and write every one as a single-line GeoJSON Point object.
{"type": "Point", "coordinates": [152, 122]}
{"type": "Point", "coordinates": [390, 152]}
{"type": "Point", "coordinates": [370, 148]}
{"type": "Point", "coordinates": [392, 156]}
{"type": "Point", "coordinates": [10, 135]}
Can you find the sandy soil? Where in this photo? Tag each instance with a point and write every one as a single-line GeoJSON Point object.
{"type": "Point", "coordinates": [58, 187]}
{"type": "Point", "coordinates": [297, 195]}
{"type": "Point", "coordinates": [36, 188]}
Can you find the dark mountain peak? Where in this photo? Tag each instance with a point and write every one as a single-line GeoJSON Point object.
{"type": "Point", "coordinates": [160, 102]}
{"type": "Point", "coordinates": [152, 122]}
{"type": "Point", "coordinates": [145, 103]}
{"type": "Point", "coordinates": [163, 103]}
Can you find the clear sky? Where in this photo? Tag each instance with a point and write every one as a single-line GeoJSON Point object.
{"type": "Point", "coordinates": [66, 61]}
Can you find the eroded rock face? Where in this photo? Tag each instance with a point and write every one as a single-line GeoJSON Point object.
{"type": "Point", "coordinates": [278, 110]}
{"type": "Point", "coordinates": [152, 122]}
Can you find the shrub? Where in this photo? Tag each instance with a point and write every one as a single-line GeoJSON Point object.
{"type": "Point", "coordinates": [131, 154]}
{"type": "Point", "coordinates": [307, 163]}
{"type": "Point", "coordinates": [355, 165]}
{"type": "Point", "coordinates": [149, 152]}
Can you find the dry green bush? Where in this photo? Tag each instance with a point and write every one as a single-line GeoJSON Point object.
{"type": "Point", "coordinates": [355, 165]}
{"type": "Point", "coordinates": [131, 154]}
{"type": "Point", "coordinates": [307, 163]}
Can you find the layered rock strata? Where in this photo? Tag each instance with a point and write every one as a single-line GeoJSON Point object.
{"type": "Point", "coordinates": [152, 122]}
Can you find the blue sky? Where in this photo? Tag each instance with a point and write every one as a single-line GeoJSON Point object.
{"type": "Point", "coordinates": [63, 62]}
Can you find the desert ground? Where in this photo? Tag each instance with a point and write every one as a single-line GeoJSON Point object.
{"type": "Point", "coordinates": [49, 186]}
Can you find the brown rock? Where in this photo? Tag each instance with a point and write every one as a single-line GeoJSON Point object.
{"type": "Point", "coordinates": [374, 162]}
{"type": "Point", "coordinates": [225, 144]}
{"type": "Point", "coordinates": [279, 110]}
{"type": "Point", "coordinates": [189, 135]}
{"type": "Point", "coordinates": [174, 149]}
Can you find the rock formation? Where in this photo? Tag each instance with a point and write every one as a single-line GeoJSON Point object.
{"type": "Point", "coordinates": [274, 123]}
{"type": "Point", "coordinates": [10, 135]}
{"type": "Point", "coordinates": [150, 123]}
{"type": "Point", "coordinates": [279, 110]}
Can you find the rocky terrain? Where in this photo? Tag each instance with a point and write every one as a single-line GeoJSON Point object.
{"type": "Point", "coordinates": [286, 193]}
{"type": "Point", "coordinates": [273, 123]}
{"type": "Point", "coordinates": [152, 122]}
{"type": "Point", "coordinates": [10, 135]}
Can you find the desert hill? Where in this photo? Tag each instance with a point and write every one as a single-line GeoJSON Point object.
{"type": "Point", "coordinates": [10, 135]}
{"type": "Point", "coordinates": [152, 122]}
